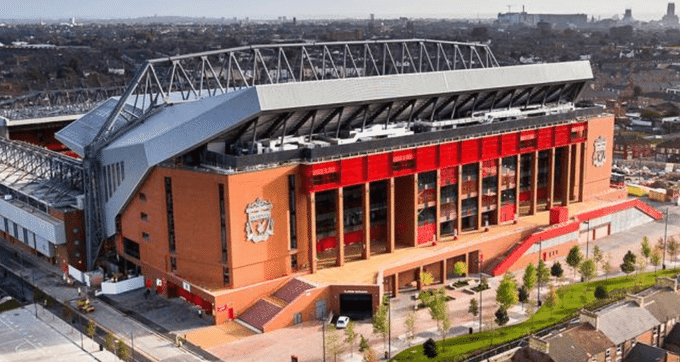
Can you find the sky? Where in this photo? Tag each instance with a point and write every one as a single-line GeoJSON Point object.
{"type": "Point", "coordinates": [308, 9]}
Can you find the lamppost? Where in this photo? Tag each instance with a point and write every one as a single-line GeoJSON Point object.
{"type": "Point", "coordinates": [665, 233]}
{"type": "Point", "coordinates": [587, 237]}
{"type": "Point", "coordinates": [323, 334]}
{"type": "Point", "coordinates": [540, 250]}
{"type": "Point", "coordinates": [389, 330]}
{"type": "Point", "coordinates": [481, 258]}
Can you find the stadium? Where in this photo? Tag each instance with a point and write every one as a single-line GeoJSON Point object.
{"type": "Point", "coordinates": [273, 183]}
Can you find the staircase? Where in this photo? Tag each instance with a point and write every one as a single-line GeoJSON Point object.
{"type": "Point", "coordinates": [268, 306]}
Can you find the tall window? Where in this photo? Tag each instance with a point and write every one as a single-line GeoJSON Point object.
{"type": "Point", "coordinates": [223, 225]}
{"type": "Point", "coordinates": [171, 214]}
{"type": "Point", "coordinates": [291, 210]}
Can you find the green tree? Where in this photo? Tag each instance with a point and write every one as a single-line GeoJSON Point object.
{"type": "Point", "coordinates": [110, 342]}
{"type": "Point", "coordinates": [123, 352]}
{"type": "Point", "coordinates": [460, 268]}
{"type": "Point", "coordinates": [556, 270]}
{"type": "Point", "coordinates": [350, 336]}
{"type": "Point", "coordinates": [439, 311]}
{"type": "Point", "coordinates": [370, 356]}
{"type": "Point", "coordinates": [672, 248]}
{"type": "Point", "coordinates": [473, 308]}
{"type": "Point", "coordinates": [334, 345]}
{"type": "Point", "coordinates": [430, 348]}
{"type": "Point", "coordinates": [628, 265]}
{"type": "Point", "coordinates": [645, 249]}
{"type": "Point", "coordinates": [574, 258]}
{"type": "Point", "coordinates": [552, 299]}
{"type": "Point", "coordinates": [381, 322]}
{"type": "Point", "coordinates": [529, 278]}
{"type": "Point", "coordinates": [91, 328]}
{"type": "Point", "coordinates": [598, 256]}
{"type": "Point", "coordinates": [363, 344]}
{"type": "Point", "coordinates": [587, 269]}
{"type": "Point", "coordinates": [426, 278]}
{"type": "Point", "coordinates": [542, 273]}
{"type": "Point", "coordinates": [601, 292]}
{"type": "Point", "coordinates": [655, 259]}
{"type": "Point", "coordinates": [506, 294]}
{"type": "Point", "coordinates": [410, 324]}
{"type": "Point", "coordinates": [607, 266]}
{"type": "Point", "coordinates": [501, 317]}
{"type": "Point", "coordinates": [523, 295]}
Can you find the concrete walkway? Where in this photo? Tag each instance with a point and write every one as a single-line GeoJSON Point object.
{"type": "Point", "coordinates": [145, 340]}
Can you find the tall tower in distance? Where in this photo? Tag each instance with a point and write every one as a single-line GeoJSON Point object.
{"type": "Point", "coordinates": [670, 19]}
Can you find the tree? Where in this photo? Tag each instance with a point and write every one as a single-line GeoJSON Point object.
{"type": "Point", "coordinates": [556, 270]}
{"type": "Point", "coordinates": [91, 328]}
{"type": "Point", "coordinates": [334, 345]}
{"type": "Point", "coordinates": [628, 265]}
{"type": "Point", "coordinates": [601, 292]}
{"type": "Point", "coordinates": [370, 356]}
{"type": "Point", "coordinates": [529, 277]}
{"type": "Point", "coordinates": [574, 258]}
{"type": "Point", "coordinates": [430, 348]}
{"type": "Point", "coordinates": [501, 317]}
{"type": "Point", "coordinates": [655, 259]}
{"type": "Point", "coordinates": [363, 344]}
{"type": "Point", "coordinates": [460, 268]}
{"type": "Point", "coordinates": [660, 244]}
{"type": "Point", "coordinates": [587, 269]}
{"type": "Point", "coordinates": [673, 248]}
{"type": "Point", "coordinates": [645, 249]}
{"type": "Point", "coordinates": [542, 273]}
{"type": "Point", "coordinates": [506, 294]}
{"type": "Point", "coordinates": [426, 278]}
{"type": "Point", "coordinates": [350, 336]}
{"type": "Point", "coordinates": [439, 311]}
{"type": "Point", "coordinates": [110, 342]}
{"type": "Point", "coordinates": [607, 266]}
{"type": "Point", "coordinates": [380, 321]}
{"type": "Point", "coordinates": [122, 351]}
{"type": "Point", "coordinates": [474, 308]}
{"type": "Point", "coordinates": [552, 299]}
{"type": "Point", "coordinates": [523, 295]}
{"type": "Point", "coordinates": [598, 256]}
{"type": "Point", "coordinates": [410, 324]}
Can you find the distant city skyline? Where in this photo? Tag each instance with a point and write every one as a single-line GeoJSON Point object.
{"type": "Point", "coordinates": [308, 9]}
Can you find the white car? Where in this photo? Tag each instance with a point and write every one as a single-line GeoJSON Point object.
{"type": "Point", "coordinates": [342, 322]}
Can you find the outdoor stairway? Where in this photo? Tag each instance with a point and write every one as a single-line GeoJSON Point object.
{"type": "Point", "coordinates": [267, 307]}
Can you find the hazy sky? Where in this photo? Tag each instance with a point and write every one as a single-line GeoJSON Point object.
{"type": "Point", "coordinates": [302, 9]}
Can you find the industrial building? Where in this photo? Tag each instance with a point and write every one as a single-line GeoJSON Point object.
{"type": "Point", "coordinates": [273, 183]}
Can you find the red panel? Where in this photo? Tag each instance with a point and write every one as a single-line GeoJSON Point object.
{"type": "Point", "coordinates": [326, 243]}
{"type": "Point", "coordinates": [448, 176]}
{"type": "Point", "coordinates": [354, 237]}
{"type": "Point", "coordinates": [426, 233]}
{"type": "Point", "coordinates": [545, 138]}
{"type": "Point", "coordinates": [469, 150]}
{"type": "Point", "coordinates": [448, 154]}
{"type": "Point", "coordinates": [378, 233]}
{"type": "Point", "coordinates": [525, 196]}
{"type": "Point", "coordinates": [491, 147]}
{"type": "Point", "coordinates": [426, 158]}
{"type": "Point", "coordinates": [558, 215]}
{"type": "Point", "coordinates": [325, 168]}
{"type": "Point", "coordinates": [542, 193]}
{"type": "Point", "coordinates": [561, 135]}
{"type": "Point", "coordinates": [509, 144]}
{"type": "Point", "coordinates": [490, 168]}
{"type": "Point", "coordinates": [403, 155]}
{"type": "Point", "coordinates": [507, 213]}
{"type": "Point", "coordinates": [378, 166]}
{"type": "Point", "coordinates": [352, 171]}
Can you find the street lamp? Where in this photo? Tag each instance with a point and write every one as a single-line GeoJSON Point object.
{"type": "Point", "coordinates": [665, 233]}
{"type": "Point", "coordinates": [540, 251]}
{"type": "Point", "coordinates": [481, 258]}
{"type": "Point", "coordinates": [587, 238]}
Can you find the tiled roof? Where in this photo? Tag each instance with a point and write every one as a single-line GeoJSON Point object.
{"type": "Point", "coordinates": [578, 344]}
{"type": "Point", "coordinates": [259, 314]}
{"type": "Point", "coordinates": [664, 305]}
{"type": "Point", "coordinates": [645, 353]}
{"type": "Point", "coordinates": [292, 290]}
{"type": "Point", "coordinates": [623, 322]}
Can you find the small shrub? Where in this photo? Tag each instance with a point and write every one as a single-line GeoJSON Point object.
{"type": "Point", "coordinates": [601, 292]}
{"type": "Point", "coordinates": [430, 348]}
{"type": "Point", "coordinates": [363, 344]}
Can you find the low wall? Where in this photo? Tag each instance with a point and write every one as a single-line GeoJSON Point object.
{"type": "Point", "coordinates": [123, 286]}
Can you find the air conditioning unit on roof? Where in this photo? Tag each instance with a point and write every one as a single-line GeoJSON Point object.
{"type": "Point", "coordinates": [8, 197]}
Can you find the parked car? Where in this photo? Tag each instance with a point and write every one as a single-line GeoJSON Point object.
{"type": "Point", "coordinates": [342, 322]}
